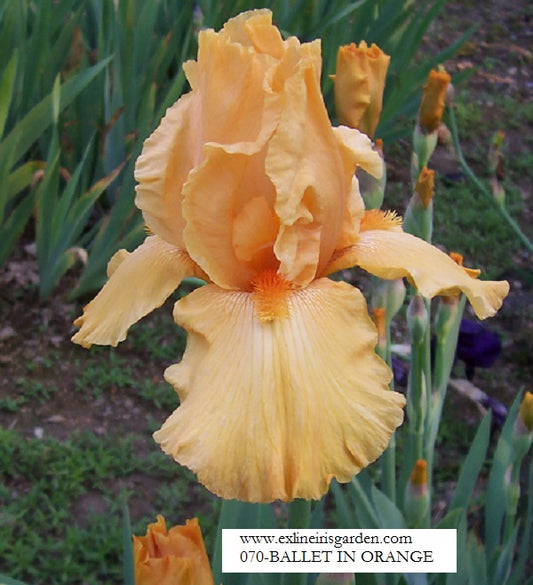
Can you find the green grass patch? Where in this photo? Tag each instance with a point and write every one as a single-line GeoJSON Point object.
{"type": "Point", "coordinates": [466, 223]}
{"type": "Point", "coordinates": [48, 532]}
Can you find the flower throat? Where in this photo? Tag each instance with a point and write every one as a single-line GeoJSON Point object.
{"type": "Point", "coordinates": [270, 291]}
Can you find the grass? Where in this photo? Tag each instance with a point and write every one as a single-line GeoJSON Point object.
{"type": "Point", "coordinates": [464, 223]}
{"type": "Point", "coordinates": [60, 519]}
{"type": "Point", "coordinates": [48, 532]}
{"type": "Point", "coordinates": [45, 477]}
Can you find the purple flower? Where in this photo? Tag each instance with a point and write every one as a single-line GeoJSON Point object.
{"type": "Point", "coordinates": [477, 346]}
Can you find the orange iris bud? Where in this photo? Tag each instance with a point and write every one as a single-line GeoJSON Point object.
{"type": "Point", "coordinates": [433, 101]}
{"type": "Point", "coordinates": [526, 412]}
{"type": "Point", "coordinates": [359, 83]}
{"type": "Point", "coordinates": [170, 557]}
{"type": "Point", "coordinates": [418, 479]}
{"type": "Point", "coordinates": [425, 186]}
{"type": "Point", "coordinates": [416, 495]}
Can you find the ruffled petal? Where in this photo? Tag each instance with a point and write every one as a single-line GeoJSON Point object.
{"type": "Point", "coordinates": [311, 183]}
{"type": "Point", "coordinates": [230, 105]}
{"type": "Point", "coordinates": [220, 215]}
{"type": "Point", "coordinates": [356, 151]}
{"type": "Point", "coordinates": [254, 28]}
{"type": "Point", "coordinates": [162, 168]}
{"type": "Point", "coordinates": [392, 253]}
{"type": "Point", "coordinates": [139, 282]}
{"type": "Point", "coordinates": [359, 151]}
{"type": "Point", "coordinates": [232, 77]}
{"type": "Point", "coordinates": [176, 556]}
{"type": "Point", "coordinates": [275, 408]}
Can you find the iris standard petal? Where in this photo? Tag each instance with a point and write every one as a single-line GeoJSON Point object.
{"type": "Point", "coordinates": [254, 28]}
{"type": "Point", "coordinates": [230, 105]}
{"type": "Point", "coordinates": [162, 168]}
{"type": "Point", "coordinates": [311, 186]}
{"type": "Point", "coordinates": [217, 205]}
{"type": "Point", "coordinates": [391, 253]}
{"type": "Point", "coordinates": [229, 80]}
{"type": "Point", "coordinates": [139, 282]}
{"type": "Point", "coordinates": [356, 151]}
{"type": "Point", "coordinates": [274, 406]}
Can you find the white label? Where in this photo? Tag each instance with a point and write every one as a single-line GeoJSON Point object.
{"type": "Point", "coordinates": [339, 551]}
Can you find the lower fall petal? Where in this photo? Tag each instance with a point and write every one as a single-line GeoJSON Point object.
{"type": "Point", "coordinates": [392, 253]}
{"type": "Point", "coordinates": [139, 282]}
{"type": "Point", "coordinates": [275, 409]}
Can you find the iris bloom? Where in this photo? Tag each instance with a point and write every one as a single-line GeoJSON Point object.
{"type": "Point", "coordinates": [172, 557]}
{"type": "Point", "coordinates": [246, 184]}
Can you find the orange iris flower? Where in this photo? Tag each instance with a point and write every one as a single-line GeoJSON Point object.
{"type": "Point", "coordinates": [246, 184]}
{"type": "Point", "coordinates": [173, 557]}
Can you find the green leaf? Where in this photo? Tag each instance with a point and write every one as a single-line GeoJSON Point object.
{"type": "Point", "coordinates": [496, 489]}
{"type": "Point", "coordinates": [500, 565]}
{"type": "Point", "coordinates": [26, 132]}
{"type": "Point", "coordinates": [127, 546]}
{"type": "Point", "coordinates": [67, 222]}
{"type": "Point", "coordinates": [317, 516]}
{"type": "Point", "coordinates": [37, 53]}
{"type": "Point", "coordinates": [5, 580]}
{"type": "Point", "coordinates": [336, 17]}
{"type": "Point", "coordinates": [6, 89]}
{"type": "Point", "coordinates": [56, 99]}
{"type": "Point", "coordinates": [345, 512]}
{"type": "Point", "coordinates": [11, 229]}
{"type": "Point", "coordinates": [416, 578]}
{"type": "Point", "coordinates": [472, 466]}
{"type": "Point", "coordinates": [388, 513]}
{"type": "Point", "coordinates": [477, 562]}
{"type": "Point", "coordinates": [22, 177]}
{"type": "Point", "coordinates": [524, 548]}
{"type": "Point", "coordinates": [358, 490]}
{"type": "Point", "coordinates": [46, 194]}
{"type": "Point", "coordinates": [236, 514]}
{"type": "Point", "coordinates": [456, 519]}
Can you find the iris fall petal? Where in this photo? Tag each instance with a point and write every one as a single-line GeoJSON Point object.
{"type": "Point", "coordinates": [139, 282]}
{"type": "Point", "coordinates": [276, 409]}
{"type": "Point", "coordinates": [392, 253]}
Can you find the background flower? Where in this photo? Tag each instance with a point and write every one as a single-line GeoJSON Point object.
{"type": "Point", "coordinates": [359, 84]}
{"type": "Point", "coordinates": [173, 557]}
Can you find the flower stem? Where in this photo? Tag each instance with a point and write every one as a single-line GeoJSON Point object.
{"type": "Point", "coordinates": [480, 185]}
{"type": "Point", "coordinates": [444, 358]}
{"type": "Point", "coordinates": [388, 464]}
{"type": "Point", "coordinates": [299, 515]}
